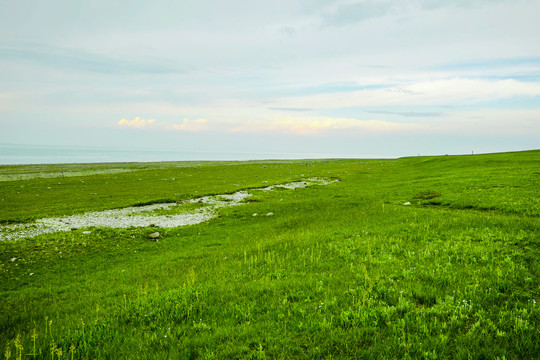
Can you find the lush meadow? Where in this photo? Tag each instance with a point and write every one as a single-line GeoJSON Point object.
{"type": "Point", "coordinates": [421, 258]}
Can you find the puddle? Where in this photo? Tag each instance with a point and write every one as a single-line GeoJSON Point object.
{"type": "Point", "coordinates": [169, 215]}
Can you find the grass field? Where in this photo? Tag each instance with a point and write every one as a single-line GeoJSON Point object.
{"type": "Point", "coordinates": [420, 258]}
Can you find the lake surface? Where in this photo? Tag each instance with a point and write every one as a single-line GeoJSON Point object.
{"type": "Point", "coordinates": [11, 154]}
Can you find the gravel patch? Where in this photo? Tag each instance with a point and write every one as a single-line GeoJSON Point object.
{"type": "Point", "coordinates": [300, 184]}
{"type": "Point", "coordinates": [143, 216]}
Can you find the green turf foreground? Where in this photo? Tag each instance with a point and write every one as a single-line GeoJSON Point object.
{"type": "Point", "coordinates": [345, 270]}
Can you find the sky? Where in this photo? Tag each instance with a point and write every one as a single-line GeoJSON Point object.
{"type": "Point", "coordinates": [345, 78]}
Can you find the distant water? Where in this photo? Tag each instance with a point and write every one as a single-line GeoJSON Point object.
{"type": "Point", "coordinates": [50, 154]}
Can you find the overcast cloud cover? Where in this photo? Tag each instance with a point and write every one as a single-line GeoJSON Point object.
{"type": "Point", "coordinates": [347, 77]}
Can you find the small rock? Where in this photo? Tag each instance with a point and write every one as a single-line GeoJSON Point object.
{"type": "Point", "coordinates": [255, 214]}
{"type": "Point", "coordinates": [270, 214]}
{"type": "Point", "coordinates": [86, 232]}
{"type": "Point", "coordinates": [31, 274]}
{"type": "Point", "coordinates": [407, 203]}
{"type": "Point", "coordinates": [154, 236]}
{"type": "Point", "coordinates": [13, 259]}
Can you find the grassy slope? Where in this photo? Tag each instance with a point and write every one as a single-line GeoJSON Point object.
{"type": "Point", "coordinates": [344, 270]}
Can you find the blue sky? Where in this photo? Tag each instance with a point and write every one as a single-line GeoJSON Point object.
{"type": "Point", "coordinates": [348, 77]}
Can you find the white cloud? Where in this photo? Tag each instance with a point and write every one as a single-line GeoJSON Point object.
{"type": "Point", "coordinates": [185, 125]}
{"type": "Point", "coordinates": [136, 123]}
{"type": "Point", "coordinates": [316, 125]}
{"type": "Point", "coordinates": [429, 92]}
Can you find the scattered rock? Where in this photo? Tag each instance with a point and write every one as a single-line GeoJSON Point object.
{"type": "Point", "coordinates": [154, 236]}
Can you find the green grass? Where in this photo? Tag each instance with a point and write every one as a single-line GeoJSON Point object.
{"type": "Point", "coordinates": [339, 271]}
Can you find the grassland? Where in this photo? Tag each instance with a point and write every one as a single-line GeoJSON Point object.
{"type": "Point", "coordinates": [339, 271]}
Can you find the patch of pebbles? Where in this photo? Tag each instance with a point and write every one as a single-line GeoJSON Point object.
{"type": "Point", "coordinates": [143, 216]}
